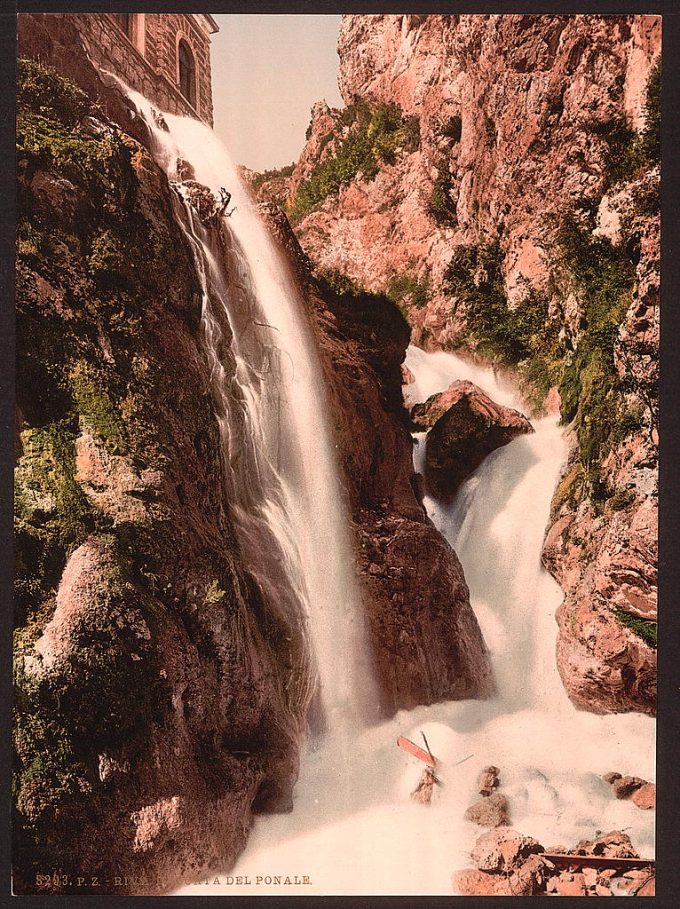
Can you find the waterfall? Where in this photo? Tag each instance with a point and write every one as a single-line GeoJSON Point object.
{"type": "Point", "coordinates": [551, 756]}
{"type": "Point", "coordinates": [281, 468]}
{"type": "Point", "coordinates": [499, 518]}
{"type": "Point", "coordinates": [354, 829]}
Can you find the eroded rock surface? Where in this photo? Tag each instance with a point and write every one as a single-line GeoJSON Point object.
{"type": "Point", "coordinates": [425, 638]}
{"type": "Point", "coordinates": [465, 426]}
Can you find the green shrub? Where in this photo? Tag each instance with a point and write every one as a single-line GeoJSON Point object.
{"type": "Point", "coordinates": [338, 283]}
{"type": "Point", "coordinates": [43, 91]}
{"type": "Point", "coordinates": [453, 128]}
{"type": "Point", "coordinates": [107, 256]}
{"type": "Point", "coordinates": [442, 206]}
{"type": "Point", "coordinates": [474, 276]}
{"type": "Point", "coordinates": [630, 153]}
{"type": "Point", "coordinates": [650, 138]}
{"type": "Point", "coordinates": [274, 174]}
{"type": "Point", "coordinates": [590, 388]}
{"type": "Point", "coordinates": [375, 137]}
{"type": "Point", "coordinates": [95, 409]}
{"type": "Point", "coordinates": [640, 627]}
{"type": "Point", "coordinates": [51, 514]}
{"type": "Point", "coordinates": [623, 155]}
{"type": "Point", "coordinates": [621, 499]}
{"type": "Point", "coordinates": [407, 290]}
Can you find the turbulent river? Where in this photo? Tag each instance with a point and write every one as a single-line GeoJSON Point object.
{"type": "Point", "coordinates": [354, 828]}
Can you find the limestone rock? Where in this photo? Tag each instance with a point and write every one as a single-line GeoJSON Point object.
{"type": "Point", "coordinates": [570, 884]}
{"type": "Point", "coordinates": [626, 786]}
{"type": "Point", "coordinates": [490, 812]}
{"type": "Point", "coordinates": [503, 849]}
{"type": "Point", "coordinates": [488, 780]}
{"type": "Point", "coordinates": [645, 797]}
{"type": "Point", "coordinates": [612, 845]}
{"type": "Point", "coordinates": [466, 426]}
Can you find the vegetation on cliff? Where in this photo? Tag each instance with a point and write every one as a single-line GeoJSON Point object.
{"type": "Point", "coordinates": [372, 136]}
{"type": "Point", "coordinates": [128, 584]}
{"type": "Point", "coordinates": [602, 276]}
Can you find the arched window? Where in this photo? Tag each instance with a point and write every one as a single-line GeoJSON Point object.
{"type": "Point", "coordinates": [187, 72]}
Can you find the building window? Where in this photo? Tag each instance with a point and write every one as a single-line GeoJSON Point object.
{"type": "Point", "coordinates": [187, 72]}
{"type": "Point", "coordinates": [133, 25]}
{"type": "Point", "coordinates": [124, 22]}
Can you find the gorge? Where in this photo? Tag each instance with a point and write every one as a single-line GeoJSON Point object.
{"type": "Point", "coordinates": [235, 589]}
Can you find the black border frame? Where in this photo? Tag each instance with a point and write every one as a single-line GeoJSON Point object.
{"type": "Point", "coordinates": [668, 726]}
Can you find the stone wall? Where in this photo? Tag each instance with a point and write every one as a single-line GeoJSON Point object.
{"type": "Point", "coordinates": [147, 60]}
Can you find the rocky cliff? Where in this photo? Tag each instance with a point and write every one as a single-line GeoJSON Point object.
{"type": "Point", "coordinates": [498, 178]}
{"type": "Point", "coordinates": [152, 711]}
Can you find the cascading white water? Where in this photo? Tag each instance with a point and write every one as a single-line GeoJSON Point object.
{"type": "Point", "coordinates": [280, 458]}
{"type": "Point", "coordinates": [367, 836]}
{"type": "Point", "coordinates": [354, 829]}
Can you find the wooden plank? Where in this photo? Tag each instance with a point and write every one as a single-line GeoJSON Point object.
{"type": "Point", "coordinates": [596, 861]}
{"type": "Point", "coordinates": [416, 751]}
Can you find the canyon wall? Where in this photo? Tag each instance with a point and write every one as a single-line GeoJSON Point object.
{"type": "Point", "coordinates": [152, 710]}
{"type": "Point", "coordinates": [498, 178]}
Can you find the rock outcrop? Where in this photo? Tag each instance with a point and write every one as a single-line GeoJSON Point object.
{"type": "Point", "coordinates": [465, 426]}
{"type": "Point", "coordinates": [490, 812]}
{"type": "Point", "coordinates": [510, 111]}
{"type": "Point", "coordinates": [507, 863]}
{"type": "Point", "coordinates": [150, 719]}
{"type": "Point", "coordinates": [426, 641]}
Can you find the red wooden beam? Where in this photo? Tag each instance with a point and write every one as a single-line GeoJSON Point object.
{"type": "Point", "coordinates": [416, 751]}
{"type": "Point", "coordinates": [596, 861]}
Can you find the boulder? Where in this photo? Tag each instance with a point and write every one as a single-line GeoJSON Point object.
{"type": "Point", "coordinates": [465, 426]}
{"type": "Point", "coordinates": [530, 878]}
{"type": "Point", "coordinates": [488, 780]}
{"type": "Point", "coordinates": [613, 845]}
{"type": "Point", "coordinates": [645, 796]}
{"type": "Point", "coordinates": [489, 812]}
{"type": "Point", "coordinates": [503, 849]}
{"type": "Point", "coordinates": [626, 786]}
{"type": "Point", "coordinates": [571, 885]}
{"type": "Point", "coordinates": [471, 882]}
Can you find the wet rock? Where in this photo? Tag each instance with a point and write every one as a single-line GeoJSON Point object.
{"type": "Point", "coordinates": [613, 845]}
{"type": "Point", "coordinates": [465, 426]}
{"type": "Point", "coordinates": [425, 789]}
{"type": "Point", "coordinates": [626, 786]}
{"type": "Point", "coordinates": [471, 882]}
{"type": "Point", "coordinates": [426, 641]}
{"type": "Point", "coordinates": [645, 797]}
{"type": "Point", "coordinates": [529, 878]}
{"type": "Point", "coordinates": [503, 849]}
{"type": "Point", "coordinates": [185, 170]}
{"type": "Point", "coordinates": [407, 377]}
{"type": "Point", "coordinates": [490, 812]}
{"type": "Point", "coordinates": [570, 884]}
{"type": "Point", "coordinates": [488, 780]}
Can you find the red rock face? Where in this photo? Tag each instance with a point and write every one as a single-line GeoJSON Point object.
{"type": "Point", "coordinates": [527, 90]}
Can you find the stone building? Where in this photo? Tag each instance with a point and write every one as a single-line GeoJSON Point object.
{"type": "Point", "coordinates": [165, 56]}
